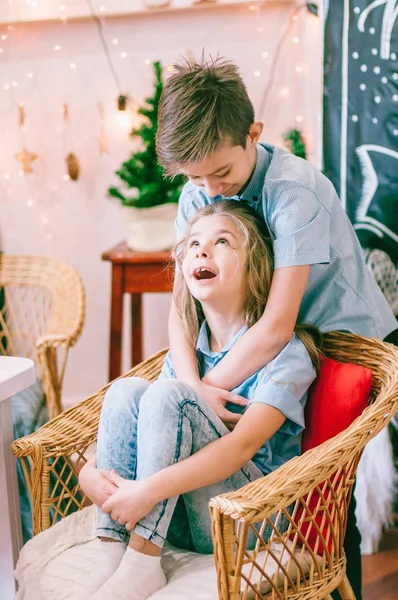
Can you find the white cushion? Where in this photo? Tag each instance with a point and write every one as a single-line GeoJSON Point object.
{"type": "Point", "coordinates": [56, 562]}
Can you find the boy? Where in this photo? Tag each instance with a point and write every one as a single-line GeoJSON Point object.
{"type": "Point", "coordinates": [207, 131]}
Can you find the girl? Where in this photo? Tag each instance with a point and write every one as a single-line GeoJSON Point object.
{"type": "Point", "coordinates": [162, 451]}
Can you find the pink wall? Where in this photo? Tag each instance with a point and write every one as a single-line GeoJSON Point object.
{"type": "Point", "coordinates": [42, 213]}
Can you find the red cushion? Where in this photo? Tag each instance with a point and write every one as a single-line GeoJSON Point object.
{"type": "Point", "coordinates": [337, 397]}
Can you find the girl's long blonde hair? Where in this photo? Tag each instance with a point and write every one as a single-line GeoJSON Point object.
{"type": "Point", "coordinates": [259, 270]}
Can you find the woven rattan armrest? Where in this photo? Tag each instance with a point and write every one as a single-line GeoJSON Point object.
{"type": "Point", "coordinates": [57, 450]}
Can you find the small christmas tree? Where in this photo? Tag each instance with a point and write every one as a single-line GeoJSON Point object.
{"type": "Point", "coordinates": [295, 142]}
{"type": "Point", "coordinates": [141, 173]}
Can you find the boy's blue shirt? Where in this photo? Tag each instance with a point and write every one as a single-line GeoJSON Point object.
{"type": "Point", "coordinates": [283, 384]}
{"type": "Point", "coordinates": [309, 226]}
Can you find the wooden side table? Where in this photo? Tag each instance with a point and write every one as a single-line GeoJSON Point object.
{"type": "Point", "coordinates": [133, 273]}
{"type": "Point", "coordinates": [16, 374]}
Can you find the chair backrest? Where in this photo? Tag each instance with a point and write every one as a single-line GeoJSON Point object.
{"type": "Point", "coordinates": [38, 296]}
{"type": "Point", "coordinates": [310, 551]}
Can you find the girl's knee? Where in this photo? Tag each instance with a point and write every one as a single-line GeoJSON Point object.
{"type": "Point", "coordinates": [126, 392]}
{"type": "Point", "coordinates": [168, 392]}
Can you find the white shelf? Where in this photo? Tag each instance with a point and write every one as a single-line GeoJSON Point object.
{"type": "Point", "coordinates": [19, 11]}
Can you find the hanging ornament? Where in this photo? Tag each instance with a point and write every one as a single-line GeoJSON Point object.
{"type": "Point", "coordinates": [103, 142]}
{"type": "Point", "coordinates": [71, 160]}
{"type": "Point", "coordinates": [72, 166]}
{"type": "Point", "coordinates": [24, 157]}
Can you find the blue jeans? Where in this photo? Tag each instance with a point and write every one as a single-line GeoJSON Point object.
{"type": "Point", "coordinates": [145, 428]}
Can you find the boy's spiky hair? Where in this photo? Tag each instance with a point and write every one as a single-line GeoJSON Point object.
{"type": "Point", "coordinates": [202, 104]}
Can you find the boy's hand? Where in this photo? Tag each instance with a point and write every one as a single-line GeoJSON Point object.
{"type": "Point", "coordinates": [96, 484]}
{"type": "Point", "coordinates": [217, 398]}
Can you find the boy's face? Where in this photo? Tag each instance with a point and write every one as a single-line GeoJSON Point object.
{"type": "Point", "coordinates": [227, 171]}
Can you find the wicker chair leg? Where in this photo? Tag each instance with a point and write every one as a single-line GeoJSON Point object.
{"type": "Point", "coordinates": [345, 590]}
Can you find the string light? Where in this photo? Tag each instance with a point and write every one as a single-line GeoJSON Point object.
{"type": "Point", "coordinates": [115, 41]}
{"type": "Point", "coordinates": [123, 54]}
{"type": "Point", "coordinates": [295, 40]}
{"type": "Point", "coordinates": [72, 65]}
{"type": "Point", "coordinates": [57, 48]}
{"type": "Point", "coordinates": [299, 119]}
{"type": "Point", "coordinates": [264, 54]}
{"type": "Point", "coordinates": [257, 73]}
{"type": "Point", "coordinates": [147, 61]}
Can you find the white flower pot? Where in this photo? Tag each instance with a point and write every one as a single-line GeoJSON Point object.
{"type": "Point", "coordinates": [151, 229]}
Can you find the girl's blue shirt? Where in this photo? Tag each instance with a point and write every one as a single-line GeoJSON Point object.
{"type": "Point", "coordinates": [283, 384]}
{"type": "Point", "coordinates": [308, 226]}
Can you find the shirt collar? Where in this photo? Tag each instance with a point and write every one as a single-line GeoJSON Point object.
{"type": "Point", "coordinates": [203, 343]}
{"type": "Point", "coordinates": [254, 189]}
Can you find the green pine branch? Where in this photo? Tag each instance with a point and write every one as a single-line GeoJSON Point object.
{"type": "Point", "coordinates": [295, 142]}
{"type": "Point", "coordinates": [142, 172]}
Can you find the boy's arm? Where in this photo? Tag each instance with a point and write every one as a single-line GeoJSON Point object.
{"type": "Point", "coordinates": [185, 364]}
{"type": "Point", "coordinates": [262, 342]}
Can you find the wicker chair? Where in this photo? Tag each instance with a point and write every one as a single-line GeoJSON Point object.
{"type": "Point", "coordinates": [327, 472]}
{"type": "Point", "coordinates": [42, 311]}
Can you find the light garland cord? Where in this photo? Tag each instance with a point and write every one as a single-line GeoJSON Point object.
{"type": "Point", "coordinates": [278, 50]}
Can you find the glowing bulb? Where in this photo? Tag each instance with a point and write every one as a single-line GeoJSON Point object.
{"type": "Point", "coordinates": [295, 40]}
{"type": "Point", "coordinates": [4, 36]}
{"type": "Point", "coordinates": [62, 7]}
{"type": "Point", "coordinates": [66, 177]}
{"type": "Point", "coordinates": [6, 87]}
{"type": "Point", "coordinates": [299, 69]}
{"type": "Point", "coordinates": [123, 54]}
{"type": "Point", "coordinates": [252, 7]}
{"type": "Point", "coordinates": [6, 176]}
{"type": "Point", "coordinates": [72, 65]}
{"type": "Point", "coordinates": [257, 73]}
{"type": "Point", "coordinates": [264, 54]}
{"type": "Point", "coordinates": [29, 203]}
{"type": "Point", "coordinates": [57, 48]}
{"type": "Point", "coordinates": [294, 18]}
{"type": "Point", "coordinates": [30, 75]}
{"type": "Point", "coordinates": [115, 41]}
{"type": "Point", "coordinates": [284, 92]}
{"type": "Point", "coordinates": [102, 8]}
{"type": "Point", "coordinates": [147, 61]}
{"type": "Point", "coordinates": [299, 119]}
{"type": "Point", "coordinates": [14, 83]}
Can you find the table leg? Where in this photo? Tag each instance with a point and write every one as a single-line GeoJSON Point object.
{"type": "Point", "coordinates": [136, 329]}
{"type": "Point", "coordinates": [115, 347]}
{"type": "Point", "coordinates": [10, 519]}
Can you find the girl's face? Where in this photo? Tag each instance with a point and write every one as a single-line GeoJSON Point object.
{"type": "Point", "coordinates": [214, 265]}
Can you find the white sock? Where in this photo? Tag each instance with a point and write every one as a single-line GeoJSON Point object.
{"type": "Point", "coordinates": [137, 578]}
{"type": "Point", "coordinates": [109, 556]}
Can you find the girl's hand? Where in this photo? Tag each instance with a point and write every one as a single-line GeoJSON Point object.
{"type": "Point", "coordinates": [96, 485]}
{"type": "Point", "coordinates": [217, 398]}
{"type": "Point", "coordinates": [130, 503]}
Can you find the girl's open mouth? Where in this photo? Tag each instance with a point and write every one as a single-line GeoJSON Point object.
{"type": "Point", "coordinates": [204, 273]}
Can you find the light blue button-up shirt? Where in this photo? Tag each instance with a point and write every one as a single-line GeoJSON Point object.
{"type": "Point", "coordinates": [283, 384]}
{"type": "Point", "coordinates": [308, 226]}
